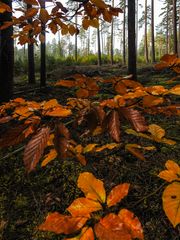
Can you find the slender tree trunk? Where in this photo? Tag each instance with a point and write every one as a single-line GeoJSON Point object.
{"type": "Point", "coordinates": [167, 30]}
{"type": "Point", "coordinates": [145, 34]}
{"type": "Point", "coordinates": [112, 38]}
{"type": "Point", "coordinates": [175, 48]}
{"type": "Point", "coordinates": [75, 50]}
{"type": "Point", "coordinates": [152, 31]}
{"type": "Point", "coordinates": [31, 67]}
{"type": "Point", "coordinates": [137, 28]}
{"type": "Point", "coordinates": [43, 54]}
{"type": "Point", "coordinates": [179, 35]}
{"type": "Point", "coordinates": [124, 34]}
{"type": "Point", "coordinates": [99, 47]}
{"type": "Point", "coordinates": [6, 57]}
{"type": "Point", "coordinates": [131, 39]}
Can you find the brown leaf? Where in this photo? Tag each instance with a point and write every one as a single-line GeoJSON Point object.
{"type": "Point", "coordinates": [13, 136]}
{"type": "Point", "coordinates": [61, 140]}
{"type": "Point", "coordinates": [5, 119]}
{"type": "Point", "coordinates": [35, 148]}
{"type": "Point", "coordinates": [113, 125]}
{"type": "Point", "coordinates": [136, 119]}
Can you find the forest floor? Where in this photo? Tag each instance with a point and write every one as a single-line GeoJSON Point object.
{"type": "Point", "coordinates": [25, 199]}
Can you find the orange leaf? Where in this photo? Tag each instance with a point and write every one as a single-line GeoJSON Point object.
{"type": "Point", "coordinates": [72, 30]}
{"type": "Point", "coordinates": [94, 23]}
{"type": "Point", "coordinates": [50, 104]}
{"type": "Point", "coordinates": [117, 194]}
{"type": "Point", "coordinates": [92, 187]}
{"type": "Point", "coordinates": [111, 227]}
{"type": "Point", "coordinates": [172, 173]}
{"type": "Point", "coordinates": [89, 147]}
{"type": "Point", "coordinates": [132, 223]}
{"type": "Point", "coordinates": [86, 234]}
{"type": "Point", "coordinates": [149, 101]}
{"type": "Point", "coordinates": [49, 157]}
{"type": "Point", "coordinates": [6, 25]}
{"type": "Point", "coordinates": [35, 148]}
{"type": "Point", "coordinates": [99, 3]}
{"type": "Point", "coordinates": [58, 111]}
{"type": "Point", "coordinates": [171, 203]}
{"type": "Point", "coordinates": [81, 159]}
{"type": "Point", "coordinates": [83, 207]}
{"type": "Point", "coordinates": [107, 146]}
{"type": "Point", "coordinates": [31, 12]}
{"type": "Point", "coordinates": [175, 90]}
{"type": "Point", "coordinates": [59, 223]}
{"type": "Point", "coordinates": [4, 7]}
{"type": "Point", "coordinates": [66, 83]}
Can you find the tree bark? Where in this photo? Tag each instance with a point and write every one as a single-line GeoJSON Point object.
{"type": "Point", "coordinates": [175, 48]}
{"type": "Point", "coordinates": [167, 29]}
{"type": "Point", "coordinates": [131, 39]}
{"type": "Point", "coordinates": [145, 34]}
{"type": "Point", "coordinates": [124, 34]}
{"type": "Point", "coordinates": [112, 38]}
{"type": "Point", "coordinates": [6, 57]}
{"type": "Point", "coordinates": [31, 67]}
{"type": "Point", "coordinates": [75, 50]}
{"type": "Point", "coordinates": [99, 47]}
{"type": "Point", "coordinates": [152, 32]}
{"type": "Point", "coordinates": [43, 54]}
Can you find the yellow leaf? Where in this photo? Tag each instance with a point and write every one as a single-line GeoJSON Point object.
{"type": "Point", "coordinates": [172, 173]}
{"type": "Point", "coordinates": [58, 111]}
{"type": "Point", "coordinates": [49, 157]}
{"type": "Point", "coordinates": [168, 141]}
{"type": "Point", "coordinates": [89, 147]}
{"type": "Point", "coordinates": [50, 104]}
{"type": "Point", "coordinates": [107, 146]}
{"type": "Point", "coordinates": [175, 90]}
{"type": "Point", "coordinates": [171, 203]}
{"type": "Point", "coordinates": [83, 207]}
{"type": "Point", "coordinates": [156, 131]}
{"type": "Point", "coordinates": [92, 187]}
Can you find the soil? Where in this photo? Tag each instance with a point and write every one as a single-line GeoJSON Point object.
{"type": "Point", "coordinates": [25, 199]}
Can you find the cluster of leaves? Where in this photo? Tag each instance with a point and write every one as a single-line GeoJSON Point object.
{"type": "Point", "coordinates": [171, 194]}
{"type": "Point", "coordinates": [169, 61]}
{"type": "Point", "coordinates": [43, 125]}
{"type": "Point", "coordinates": [60, 18]}
{"type": "Point", "coordinates": [90, 216]}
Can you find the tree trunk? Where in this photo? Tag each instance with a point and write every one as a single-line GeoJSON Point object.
{"type": "Point", "coordinates": [175, 49]}
{"type": "Point", "coordinates": [99, 47]}
{"type": "Point", "coordinates": [145, 34]}
{"type": "Point", "coordinates": [152, 31]}
{"type": "Point", "coordinates": [43, 54]}
{"type": "Point", "coordinates": [124, 34]}
{"type": "Point", "coordinates": [179, 35]}
{"type": "Point", "coordinates": [6, 57]}
{"type": "Point", "coordinates": [112, 38]}
{"type": "Point", "coordinates": [75, 50]}
{"type": "Point", "coordinates": [131, 39]}
{"type": "Point", "coordinates": [137, 14]}
{"type": "Point", "coordinates": [167, 30]}
{"type": "Point", "coordinates": [31, 67]}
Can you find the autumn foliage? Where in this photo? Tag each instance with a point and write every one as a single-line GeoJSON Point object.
{"type": "Point", "coordinates": [83, 221]}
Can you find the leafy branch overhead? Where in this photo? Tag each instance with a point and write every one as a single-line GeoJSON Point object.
{"type": "Point", "coordinates": [58, 18]}
{"type": "Point", "coordinates": [83, 221]}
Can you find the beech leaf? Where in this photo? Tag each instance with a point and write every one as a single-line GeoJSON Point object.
{"type": "Point", "coordinates": [92, 187]}
{"type": "Point", "coordinates": [35, 148]}
{"type": "Point", "coordinates": [83, 207]}
{"type": "Point", "coordinates": [171, 202]}
{"type": "Point", "coordinates": [132, 223]}
{"type": "Point", "coordinates": [117, 194]}
{"type": "Point", "coordinates": [113, 125]}
{"type": "Point", "coordinates": [172, 173]}
{"type": "Point", "coordinates": [58, 223]}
